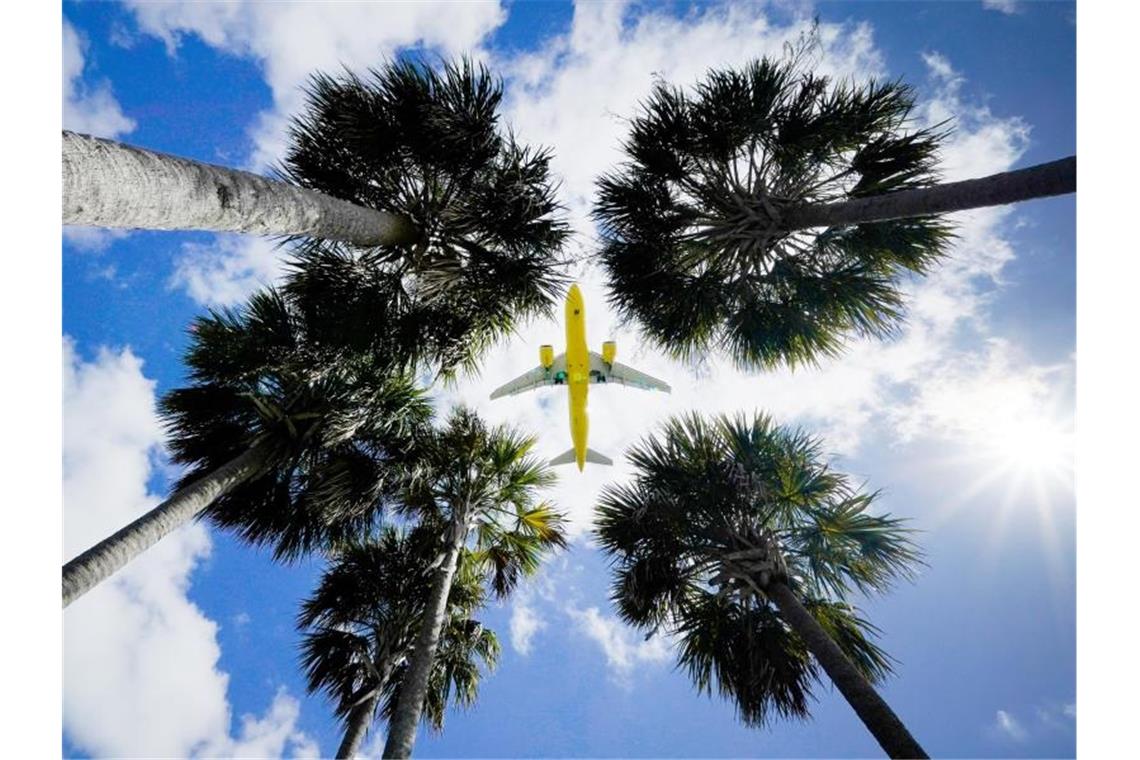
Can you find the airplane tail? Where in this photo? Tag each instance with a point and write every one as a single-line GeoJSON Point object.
{"type": "Point", "coordinates": [570, 457]}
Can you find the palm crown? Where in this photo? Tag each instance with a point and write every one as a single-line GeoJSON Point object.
{"type": "Point", "coordinates": [361, 620]}
{"type": "Point", "coordinates": [698, 206]}
{"type": "Point", "coordinates": [339, 425]}
{"type": "Point", "coordinates": [718, 508]}
{"type": "Point", "coordinates": [484, 482]}
{"type": "Point", "coordinates": [481, 484]}
{"type": "Point", "coordinates": [426, 145]}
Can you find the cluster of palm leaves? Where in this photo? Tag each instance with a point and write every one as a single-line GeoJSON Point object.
{"type": "Point", "coordinates": [334, 424]}
{"type": "Point", "coordinates": [706, 200]}
{"type": "Point", "coordinates": [700, 558]}
{"type": "Point", "coordinates": [303, 427]}
{"type": "Point", "coordinates": [768, 213]}
{"type": "Point", "coordinates": [360, 625]}
{"type": "Point", "coordinates": [427, 146]}
{"type": "Point", "coordinates": [390, 630]}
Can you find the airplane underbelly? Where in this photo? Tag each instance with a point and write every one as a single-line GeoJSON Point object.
{"type": "Point", "coordinates": [577, 372]}
{"type": "Point", "coordinates": [579, 419]}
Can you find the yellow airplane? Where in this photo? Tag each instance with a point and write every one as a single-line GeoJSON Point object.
{"type": "Point", "coordinates": [577, 369]}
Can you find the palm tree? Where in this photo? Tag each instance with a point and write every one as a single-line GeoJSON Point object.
{"type": "Point", "coordinates": [786, 208]}
{"type": "Point", "coordinates": [288, 438]}
{"type": "Point", "coordinates": [426, 145]}
{"type": "Point", "coordinates": [360, 627]}
{"type": "Point", "coordinates": [487, 259]}
{"type": "Point", "coordinates": [112, 184]}
{"type": "Point", "coordinates": [736, 538]}
{"type": "Point", "coordinates": [365, 301]}
{"type": "Point", "coordinates": [409, 160]}
{"type": "Point", "coordinates": [481, 483]}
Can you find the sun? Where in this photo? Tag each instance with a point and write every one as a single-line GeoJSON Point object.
{"type": "Point", "coordinates": [1013, 459]}
{"type": "Point", "coordinates": [1017, 461]}
{"type": "Point", "coordinates": [1033, 446]}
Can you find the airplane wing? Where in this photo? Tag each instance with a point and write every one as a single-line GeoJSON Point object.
{"type": "Point", "coordinates": [619, 373]}
{"type": "Point", "coordinates": [536, 378]}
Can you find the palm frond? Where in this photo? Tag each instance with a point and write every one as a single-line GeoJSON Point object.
{"type": "Point", "coordinates": [426, 143]}
{"type": "Point", "coordinates": [697, 208]}
{"type": "Point", "coordinates": [707, 493]}
{"type": "Point", "coordinates": [338, 424]}
{"type": "Point", "coordinates": [360, 623]}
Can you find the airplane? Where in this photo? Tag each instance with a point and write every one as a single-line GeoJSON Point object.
{"type": "Point", "coordinates": [577, 369]}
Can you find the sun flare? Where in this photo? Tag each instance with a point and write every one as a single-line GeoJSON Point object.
{"type": "Point", "coordinates": [1036, 446]}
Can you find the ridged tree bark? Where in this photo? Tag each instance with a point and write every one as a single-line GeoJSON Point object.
{"type": "Point", "coordinates": [361, 716]}
{"type": "Point", "coordinates": [875, 713]}
{"type": "Point", "coordinates": [111, 184]}
{"type": "Point", "coordinates": [1041, 181]}
{"type": "Point", "coordinates": [358, 722]}
{"type": "Point", "coordinates": [409, 707]}
{"type": "Point", "coordinates": [101, 561]}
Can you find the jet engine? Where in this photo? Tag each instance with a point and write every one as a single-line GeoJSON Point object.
{"type": "Point", "coordinates": [546, 356]}
{"type": "Point", "coordinates": [609, 351]}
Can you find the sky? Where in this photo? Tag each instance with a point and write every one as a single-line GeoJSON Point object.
{"type": "Point", "coordinates": [964, 420]}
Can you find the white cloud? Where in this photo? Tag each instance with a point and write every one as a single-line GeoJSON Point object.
{"type": "Point", "coordinates": [1057, 716]}
{"type": "Point", "coordinates": [140, 659]}
{"type": "Point", "coordinates": [556, 594]}
{"type": "Point", "coordinates": [1052, 718]}
{"type": "Point", "coordinates": [290, 41]}
{"type": "Point", "coordinates": [940, 67]}
{"type": "Point", "coordinates": [576, 92]}
{"type": "Point", "coordinates": [268, 736]}
{"type": "Point", "coordinates": [525, 623]}
{"type": "Point", "coordinates": [623, 646]}
{"type": "Point", "coordinates": [91, 109]}
{"type": "Point", "coordinates": [991, 394]}
{"type": "Point", "coordinates": [1009, 726]}
{"type": "Point", "coordinates": [553, 98]}
{"type": "Point", "coordinates": [1007, 7]}
{"type": "Point", "coordinates": [982, 143]}
{"type": "Point", "coordinates": [92, 239]}
{"type": "Point", "coordinates": [227, 272]}
{"type": "Point", "coordinates": [110, 420]}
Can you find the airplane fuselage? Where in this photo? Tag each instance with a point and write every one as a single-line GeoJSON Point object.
{"type": "Point", "coordinates": [577, 372]}
{"type": "Point", "coordinates": [576, 369]}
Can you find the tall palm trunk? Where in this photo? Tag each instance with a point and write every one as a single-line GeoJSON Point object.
{"type": "Point", "coordinates": [362, 715]}
{"type": "Point", "coordinates": [99, 562]}
{"type": "Point", "coordinates": [1041, 181]}
{"type": "Point", "coordinates": [875, 713]}
{"type": "Point", "coordinates": [409, 707]}
{"type": "Point", "coordinates": [110, 184]}
{"type": "Point", "coordinates": [358, 722]}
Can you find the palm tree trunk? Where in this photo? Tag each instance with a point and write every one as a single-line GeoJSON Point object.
{"type": "Point", "coordinates": [1041, 181]}
{"type": "Point", "coordinates": [409, 707]}
{"type": "Point", "coordinates": [99, 562]}
{"type": "Point", "coordinates": [361, 716]}
{"type": "Point", "coordinates": [358, 722]}
{"type": "Point", "coordinates": [875, 713]}
{"type": "Point", "coordinates": [110, 184]}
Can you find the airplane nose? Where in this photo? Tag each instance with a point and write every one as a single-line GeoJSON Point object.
{"type": "Point", "coordinates": [574, 301]}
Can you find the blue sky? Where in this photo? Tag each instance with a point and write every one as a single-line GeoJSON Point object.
{"type": "Point", "coordinates": [192, 649]}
